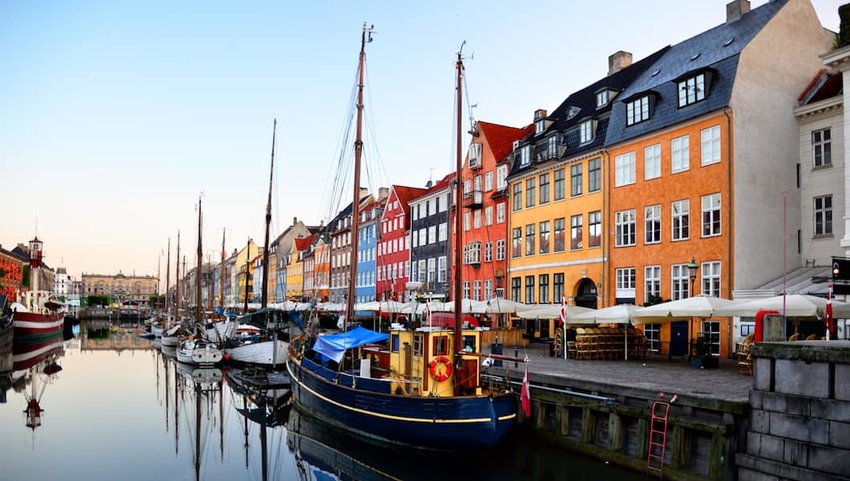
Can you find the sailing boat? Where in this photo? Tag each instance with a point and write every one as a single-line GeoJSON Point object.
{"type": "Point", "coordinates": [432, 396]}
{"type": "Point", "coordinates": [37, 362]}
{"type": "Point", "coordinates": [268, 351]}
{"type": "Point", "coordinates": [197, 349]}
{"type": "Point", "coordinates": [173, 334]}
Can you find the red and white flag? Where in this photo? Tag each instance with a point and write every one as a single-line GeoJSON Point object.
{"type": "Point", "coordinates": [525, 395]}
{"type": "Point", "coordinates": [563, 319]}
{"type": "Point", "coordinates": [827, 317]}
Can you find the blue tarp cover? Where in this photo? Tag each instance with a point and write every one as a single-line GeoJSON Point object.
{"type": "Point", "coordinates": [335, 345]}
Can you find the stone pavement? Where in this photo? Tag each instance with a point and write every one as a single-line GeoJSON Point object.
{"type": "Point", "coordinates": [659, 374]}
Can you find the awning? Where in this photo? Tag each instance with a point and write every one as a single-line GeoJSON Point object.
{"type": "Point", "coordinates": [334, 346]}
{"type": "Point", "coordinates": [803, 280]}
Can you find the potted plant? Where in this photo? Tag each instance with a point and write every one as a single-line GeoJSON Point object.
{"type": "Point", "coordinates": [701, 355]}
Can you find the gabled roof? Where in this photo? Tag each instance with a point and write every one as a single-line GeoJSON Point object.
{"type": "Point", "coordinates": [405, 194]}
{"type": "Point", "coordinates": [304, 243]}
{"type": "Point", "coordinates": [500, 138]}
{"type": "Point", "coordinates": [442, 184]}
{"type": "Point", "coordinates": [717, 49]}
{"type": "Point", "coordinates": [580, 106]}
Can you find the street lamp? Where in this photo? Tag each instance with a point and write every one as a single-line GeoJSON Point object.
{"type": "Point", "coordinates": [692, 272]}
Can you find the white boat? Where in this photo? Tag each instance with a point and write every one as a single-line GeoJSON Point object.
{"type": "Point", "coordinates": [263, 353]}
{"type": "Point", "coordinates": [173, 336]}
{"type": "Point", "coordinates": [199, 352]}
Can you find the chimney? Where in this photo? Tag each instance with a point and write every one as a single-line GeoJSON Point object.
{"type": "Point", "coordinates": [294, 220]}
{"type": "Point", "coordinates": [429, 184]}
{"type": "Point", "coordinates": [539, 114]}
{"type": "Point", "coordinates": [618, 61]}
{"type": "Point", "coordinates": [383, 192]}
{"type": "Point", "coordinates": [736, 9]}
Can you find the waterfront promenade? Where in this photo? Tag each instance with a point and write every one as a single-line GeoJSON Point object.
{"type": "Point", "coordinates": [657, 373]}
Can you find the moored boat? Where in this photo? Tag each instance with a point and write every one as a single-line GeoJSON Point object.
{"type": "Point", "coordinates": [199, 352]}
{"type": "Point", "coordinates": [419, 388]}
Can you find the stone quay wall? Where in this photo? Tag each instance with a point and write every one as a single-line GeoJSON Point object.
{"type": "Point", "coordinates": [799, 425]}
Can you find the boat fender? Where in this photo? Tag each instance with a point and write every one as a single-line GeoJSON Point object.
{"type": "Point", "coordinates": [445, 373]}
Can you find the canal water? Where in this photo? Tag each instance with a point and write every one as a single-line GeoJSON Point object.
{"type": "Point", "coordinates": [107, 404]}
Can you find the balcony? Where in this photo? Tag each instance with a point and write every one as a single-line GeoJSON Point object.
{"type": "Point", "coordinates": [473, 199]}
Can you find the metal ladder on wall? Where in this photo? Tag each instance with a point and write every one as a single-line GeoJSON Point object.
{"type": "Point", "coordinates": [657, 437]}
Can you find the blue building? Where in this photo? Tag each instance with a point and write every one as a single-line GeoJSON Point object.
{"type": "Point", "coordinates": [370, 213]}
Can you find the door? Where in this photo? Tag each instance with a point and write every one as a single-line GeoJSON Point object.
{"type": "Point", "coordinates": [586, 295]}
{"type": "Point", "coordinates": [679, 338]}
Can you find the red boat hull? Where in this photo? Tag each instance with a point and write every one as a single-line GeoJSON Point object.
{"type": "Point", "coordinates": [29, 325]}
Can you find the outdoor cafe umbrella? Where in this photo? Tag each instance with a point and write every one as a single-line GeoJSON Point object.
{"type": "Point", "coordinates": [793, 305]}
{"type": "Point", "coordinates": [550, 311]}
{"type": "Point", "coordinates": [620, 314]}
{"type": "Point", "coordinates": [701, 306]}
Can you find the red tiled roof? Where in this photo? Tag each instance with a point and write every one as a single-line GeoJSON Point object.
{"type": "Point", "coordinates": [501, 138]}
{"type": "Point", "coordinates": [304, 243]}
{"type": "Point", "coordinates": [405, 193]}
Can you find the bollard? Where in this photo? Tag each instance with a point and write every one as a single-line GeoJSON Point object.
{"type": "Point", "coordinates": [516, 356]}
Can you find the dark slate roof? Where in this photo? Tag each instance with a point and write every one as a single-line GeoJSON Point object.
{"type": "Point", "coordinates": [717, 49]}
{"type": "Point", "coordinates": [582, 104]}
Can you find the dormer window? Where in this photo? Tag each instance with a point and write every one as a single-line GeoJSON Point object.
{"type": "Point", "coordinates": [552, 146]}
{"type": "Point", "coordinates": [637, 110]}
{"type": "Point", "coordinates": [539, 126]}
{"type": "Point", "coordinates": [474, 156]}
{"type": "Point", "coordinates": [525, 156]}
{"type": "Point", "coordinates": [586, 131]}
{"type": "Point", "coordinates": [691, 90]}
{"type": "Point", "coordinates": [601, 99]}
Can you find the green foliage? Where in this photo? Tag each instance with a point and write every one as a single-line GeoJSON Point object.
{"type": "Point", "coordinates": [843, 37]}
{"type": "Point", "coordinates": [653, 300]}
{"type": "Point", "coordinates": [156, 301]}
{"type": "Point", "coordinates": [99, 300]}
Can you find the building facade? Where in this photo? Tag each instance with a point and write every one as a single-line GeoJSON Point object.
{"type": "Point", "coordinates": [429, 240]}
{"type": "Point", "coordinates": [393, 252]}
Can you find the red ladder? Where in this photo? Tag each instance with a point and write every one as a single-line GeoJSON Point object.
{"type": "Point", "coordinates": [657, 437]}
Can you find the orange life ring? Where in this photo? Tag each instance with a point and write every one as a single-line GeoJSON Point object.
{"type": "Point", "coordinates": [445, 373]}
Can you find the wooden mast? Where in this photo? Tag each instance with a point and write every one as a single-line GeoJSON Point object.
{"type": "Point", "coordinates": [265, 296]}
{"type": "Point", "coordinates": [458, 247]}
{"type": "Point", "coordinates": [199, 309]}
{"type": "Point", "coordinates": [221, 276]}
{"type": "Point", "coordinates": [177, 283]}
{"type": "Point", "coordinates": [167, 281]}
{"type": "Point", "coordinates": [358, 153]}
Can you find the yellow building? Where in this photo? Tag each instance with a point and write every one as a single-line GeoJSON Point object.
{"type": "Point", "coordinates": [243, 270]}
{"type": "Point", "coordinates": [294, 274]}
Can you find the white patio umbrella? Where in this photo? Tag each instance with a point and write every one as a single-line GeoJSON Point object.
{"type": "Point", "coordinates": [467, 306]}
{"type": "Point", "coordinates": [793, 305]}
{"type": "Point", "coordinates": [393, 307]}
{"type": "Point", "coordinates": [550, 311]}
{"type": "Point", "coordinates": [498, 305]}
{"type": "Point", "coordinates": [682, 309]}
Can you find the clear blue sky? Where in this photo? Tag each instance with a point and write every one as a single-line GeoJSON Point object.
{"type": "Point", "coordinates": [116, 115]}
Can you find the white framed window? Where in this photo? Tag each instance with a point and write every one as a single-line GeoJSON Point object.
{"type": "Point", "coordinates": [680, 278]}
{"type": "Point", "coordinates": [475, 155]}
{"type": "Point", "coordinates": [637, 110]}
{"type": "Point", "coordinates": [680, 154]}
{"type": "Point", "coordinates": [476, 219]}
{"type": "Point", "coordinates": [681, 219]}
{"type": "Point", "coordinates": [710, 145]}
{"type": "Point", "coordinates": [625, 228]}
{"type": "Point", "coordinates": [467, 188]}
{"type": "Point", "coordinates": [711, 215]}
{"type": "Point", "coordinates": [821, 147]}
{"type": "Point", "coordinates": [586, 131]}
{"type": "Point", "coordinates": [488, 289]}
{"type": "Point", "coordinates": [501, 176]}
{"type": "Point", "coordinates": [432, 234]}
{"type": "Point", "coordinates": [500, 250]}
{"type": "Point", "coordinates": [488, 251]}
{"type": "Point", "coordinates": [443, 235]}
{"type": "Point", "coordinates": [710, 278]}
{"type": "Point", "coordinates": [653, 336]}
{"type": "Point", "coordinates": [500, 213]}
{"type": "Point", "coordinates": [467, 222]}
{"type": "Point", "coordinates": [691, 90]}
{"type": "Point", "coordinates": [652, 224]}
{"type": "Point", "coordinates": [823, 215]}
{"type": "Point", "coordinates": [552, 146]}
{"type": "Point", "coordinates": [651, 283]}
{"type": "Point", "coordinates": [525, 156]}
{"type": "Point", "coordinates": [601, 99]}
{"type": "Point", "coordinates": [476, 290]}
{"type": "Point", "coordinates": [441, 269]}
{"type": "Point", "coordinates": [488, 215]}
{"type": "Point", "coordinates": [422, 270]}
{"type": "Point", "coordinates": [652, 162]}
{"type": "Point", "coordinates": [624, 169]}
{"type": "Point", "coordinates": [432, 269]}
{"type": "Point", "coordinates": [539, 126]}
{"type": "Point", "coordinates": [625, 278]}
{"type": "Point", "coordinates": [488, 181]}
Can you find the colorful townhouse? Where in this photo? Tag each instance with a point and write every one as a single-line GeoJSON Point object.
{"type": "Point", "coordinates": [308, 260]}
{"type": "Point", "coordinates": [11, 275]}
{"type": "Point", "coordinates": [702, 150]}
{"type": "Point", "coordinates": [370, 214]}
{"type": "Point", "coordinates": [242, 272]}
{"type": "Point", "coordinates": [557, 197]}
{"type": "Point", "coordinates": [281, 246]}
{"type": "Point", "coordinates": [393, 254]}
{"type": "Point", "coordinates": [485, 207]}
{"type": "Point", "coordinates": [321, 268]}
{"type": "Point", "coordinates": [430, 214]}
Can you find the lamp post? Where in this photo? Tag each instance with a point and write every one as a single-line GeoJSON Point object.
{"type": "Point", "coordinates": [692, 273]}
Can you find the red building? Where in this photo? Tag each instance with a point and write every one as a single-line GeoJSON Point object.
{"type": "Point", "coordinates": [393, 257]}
{"type": "Point", "coordinates": [11, 275]}
{"type": "Point", "coordinates": [485, 213]}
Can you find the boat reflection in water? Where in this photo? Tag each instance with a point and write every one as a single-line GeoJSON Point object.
{"type": "Point", "coordinates": [35, 362]}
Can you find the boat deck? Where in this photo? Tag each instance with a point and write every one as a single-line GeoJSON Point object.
{"type": "Point", "coordinates": [658, 373]}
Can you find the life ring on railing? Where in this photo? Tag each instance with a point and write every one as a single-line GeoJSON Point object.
{"type": "Point", "coordinates": [440, 376]}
